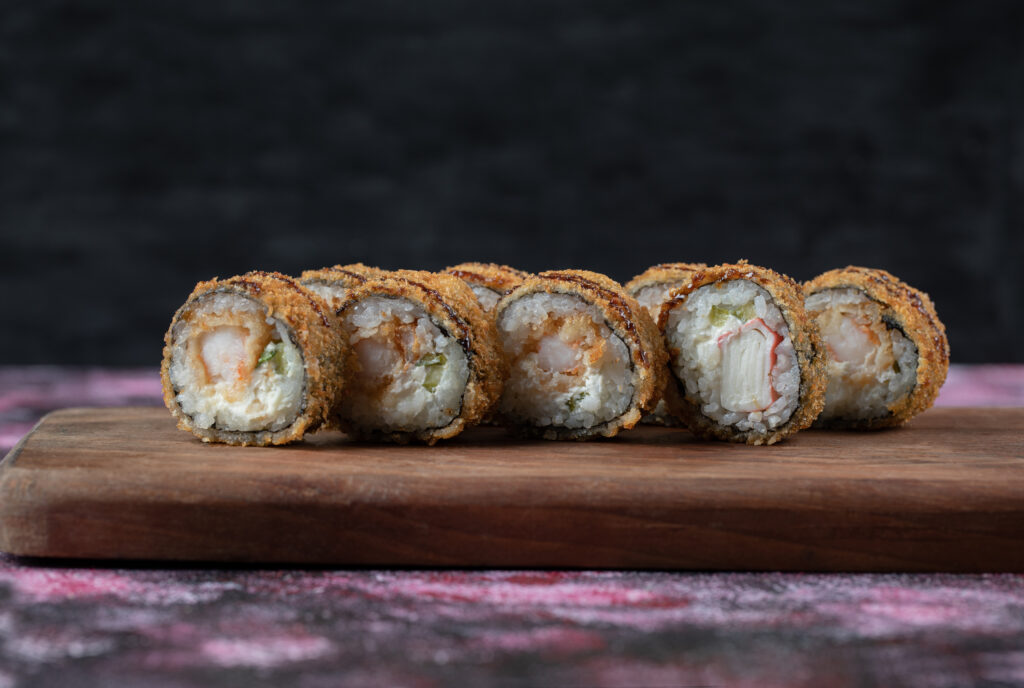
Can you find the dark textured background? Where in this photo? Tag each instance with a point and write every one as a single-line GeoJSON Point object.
{"type": "Point", "coordinates": [145, 146]}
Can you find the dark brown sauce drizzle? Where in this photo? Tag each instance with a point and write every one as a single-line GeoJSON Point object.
{"type": "Point", "coordinates": [503, 284]}
{"type": "Point", "coordinates": [614, 300]}
{"type": "Point", "coordinates": [354, 275]}
{"type": "Point", "coordinates": [297, 288]}
{"type": "Point", "coordinates": [506, 270]}
{"type": "Point", "coordinates": [679, 267]}
{"type": "Point", "coordinates": [252, 287]}
{"type": "Point", "coordinates": [515, 272]}
{"type": "Point", "coordinates": [466, 275]}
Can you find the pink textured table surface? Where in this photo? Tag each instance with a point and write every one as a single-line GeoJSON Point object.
{"type": "Point", "coordinates": [86, 624]}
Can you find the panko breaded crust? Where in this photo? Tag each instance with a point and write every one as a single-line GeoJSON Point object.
{"type": "Point", "coordinates": [628, 320]}
{"type": "Point", "coordinates": [497, 278]}
{"type": "Point", "coordinates": [348, 276]}
{"type": "Point", "coordinates": [810, 352]}
{"type": "Point", "coordinates": [314, 330]}
{"type": "Point", "coordinates": [663, 274]}
{"type": "Point", "coordinates": [913, 313]}
{"type": "Point", "coordinates": [454, 308]}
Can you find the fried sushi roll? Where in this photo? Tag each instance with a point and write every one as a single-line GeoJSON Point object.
{"type": "Point", "coordinates": [887, 349]}
{"type": "Point", "coordinates": [333, 284]}
{"type": "Point", "coordinates": [424, 360]}
{"type": "Point", "coordinates": [651, 288]}
{"type": "Point", "coordinates": [488, 281]}
{"type": "Point", "coordinates": [251, 360]}
{"type": "Point", "coordinates": [747, 360]}
{"type": "Point", "coordinates": [585, 358]}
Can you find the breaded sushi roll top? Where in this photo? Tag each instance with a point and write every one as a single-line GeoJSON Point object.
{"type": "Point", "coordinates": [333, 284]}
{"type": "Point", "coordinates": [746, 357]}
{"type": "Point", "coordinates": [888, 353]}
{"type": "Point", "coordinates": [652, 287]}
{"type": "Point", "coordinates": [251, 360]}
{"type": "Point", "coordinates": [489, 281]}
{"type": "Point", "coordinates": [585, 358]}
{"type": "Point", "coordinates": [424, 358]}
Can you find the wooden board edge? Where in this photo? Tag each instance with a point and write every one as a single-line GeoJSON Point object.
{"type": "Point", "coordinates": [12, 456]}
{"type": "Point", "coordinates": [514, 539]}
{"type": "Point", "coordinates": [8, 475]}
{"type": "Point", "coordinates": [17, 488]}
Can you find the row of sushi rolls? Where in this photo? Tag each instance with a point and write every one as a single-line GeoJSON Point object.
{"type": "Point", "coordinates": [732, 352]}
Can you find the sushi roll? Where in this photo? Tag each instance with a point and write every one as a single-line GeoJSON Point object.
{"type": "Point", "coordinates": [651, 288]}
{"type": "Point", "coordinates": [424, 360]}
{"type": "Point", "coordinates": [747, 360]}
{"type": "Point", "coordinates": [333, 284]}
{"type": "Point", "coordinates": [585, 358]}
{"type": "Point", "coordinates": [251, 360]}
{"type": "Point", "coordinates": [488, 281]}
{"type": "Point", "coordinates": [887, 350]}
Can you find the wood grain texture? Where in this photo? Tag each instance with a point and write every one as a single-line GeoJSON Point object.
{"type": "Point", "coordinates": [944, 493]}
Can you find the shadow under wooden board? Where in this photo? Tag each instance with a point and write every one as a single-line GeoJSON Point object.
{"type": "Point", "coordinates": [944, 493]}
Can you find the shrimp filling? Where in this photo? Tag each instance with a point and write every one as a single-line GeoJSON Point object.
{"type": "Point", "coordinates": [872, 365]}
{"type": "Point", "coordinates": [407, 374]}
{"type": "Point", "coordinates": [235, 368]}
{"type": "Point", "coordinates": [568, 368]}
{"type": "Point", "coordinates": [730, 346]}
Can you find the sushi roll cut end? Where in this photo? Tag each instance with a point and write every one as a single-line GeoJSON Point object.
{"type": "Point", "coordinates": [234, 368]}
{"type": "Point", "coordinates": [652, 288]}
{"type": "Point", "coordinates": [887, 350]}
{"type": "Point", "coordinates": [585, 359]}
{"type": "Point", "coordinates": [424, 361]}
{"type": "Point", "coordinates": [489, 281]}
{"type": "Point", "coordinates": [746, 357]}
{"type": "Point", "coordinates": [409, 372]}
{"type": "Point", "coordinates": [333, 284]}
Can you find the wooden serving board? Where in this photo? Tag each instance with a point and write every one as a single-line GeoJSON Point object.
{"type": "Point", "coordinates": [944, 493]}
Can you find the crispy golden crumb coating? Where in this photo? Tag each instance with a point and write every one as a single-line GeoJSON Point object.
{"type": "Point", "coordinates": [663, 277]}
{"type": "Point", "coordinates": [788, 297]}
{"type": "Point", "coordinates": [454, 309]}
{"type": "Point", "coordinates": [351, 275]}
{"type": "Point", "coordinates": [912, 312]}
{"type": "Point", "coordinates": [628, 320]}
{"type": "Point", "coordinates": [313, 328]}
{"type": "Point", "coordinates": [651, 288]}
{"type": "Point", "coordinates": [498, 279]}
{"type": "Point", "coordinates": [333, 283]}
